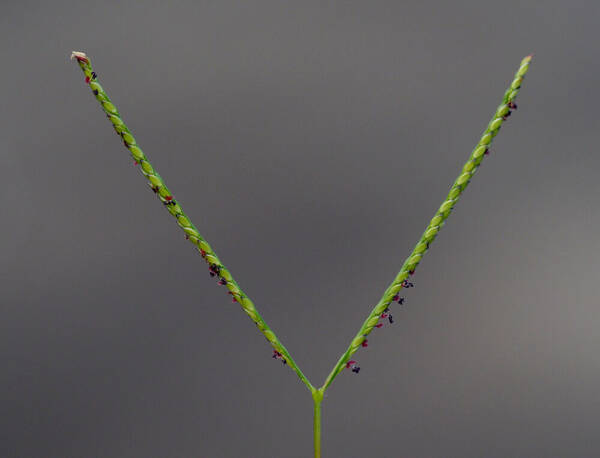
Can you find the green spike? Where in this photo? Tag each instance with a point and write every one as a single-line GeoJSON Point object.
{"type": "Point", "coordinates": [442, 214]}
{"type": "Point", "coordinates": [175, 209]}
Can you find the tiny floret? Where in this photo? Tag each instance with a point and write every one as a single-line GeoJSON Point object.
{"type": "Point", "coordinates": [352, 365]}
{"type": "Point", "coordinates": [278, 355]}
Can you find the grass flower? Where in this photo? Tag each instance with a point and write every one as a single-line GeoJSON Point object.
{"type": "Point", "coordinates": [216, 268]}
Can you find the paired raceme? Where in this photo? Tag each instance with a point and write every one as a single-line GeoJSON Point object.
{"type": "Point", "coordinates": [218, 270]}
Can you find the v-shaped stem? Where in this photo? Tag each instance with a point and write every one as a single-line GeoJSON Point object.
{"type": "Point", "coordinates": [218, 269]}
{"type": "Point", "coordinates": [413, 260]}
{"type": "Point", "coordinates": [156, 183]}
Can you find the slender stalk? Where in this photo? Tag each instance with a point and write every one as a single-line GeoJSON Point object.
{"type": "Point", "coordinates": [317, 400]}
{"type": "Point", "coordinates": [413, 260]}
{"type": "Point", "coordinates": [156, 183]}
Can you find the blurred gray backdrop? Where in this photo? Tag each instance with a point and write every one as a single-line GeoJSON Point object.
{"type": "Point", "coordinates": [310, 142]}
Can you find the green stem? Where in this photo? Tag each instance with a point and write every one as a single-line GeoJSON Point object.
{"type": "Point", "coordinates": [317, 399]}
{"type": "Point", "coordinates": [225, 278]}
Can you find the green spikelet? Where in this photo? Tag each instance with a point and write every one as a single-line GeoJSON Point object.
{"type": "Point", "coordinates": [156, 183]}
{"type": "Point", "coordinates": [436, 223]}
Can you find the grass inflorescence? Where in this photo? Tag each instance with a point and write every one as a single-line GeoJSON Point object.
{"type": "Point", "coordinates": [382, 311]}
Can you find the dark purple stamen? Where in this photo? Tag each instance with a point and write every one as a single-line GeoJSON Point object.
{"type": "Point", "coordinates": [352, 364]}
{"type": "Point", "coordinates": [278, 355]}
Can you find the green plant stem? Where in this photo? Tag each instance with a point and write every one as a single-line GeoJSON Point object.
{"type": "Point", "coordinates": [413, 260]}
{"type": "Point", "coordinates": [225, 277]}
{"type": "Point", "coordinates": [173, 206]}
{"type": "Point", "coordinates": [317, 400]}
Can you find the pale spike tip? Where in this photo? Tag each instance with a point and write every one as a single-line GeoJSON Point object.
{"type": "Point", "coordinates": [79, 55]}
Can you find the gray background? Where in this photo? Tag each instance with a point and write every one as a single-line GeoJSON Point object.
{"type": "Point", "coordinates": [310, 142]}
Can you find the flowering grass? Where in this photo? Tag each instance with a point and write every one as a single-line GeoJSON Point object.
{"type": "Point", "coordinates": [382, 310]}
